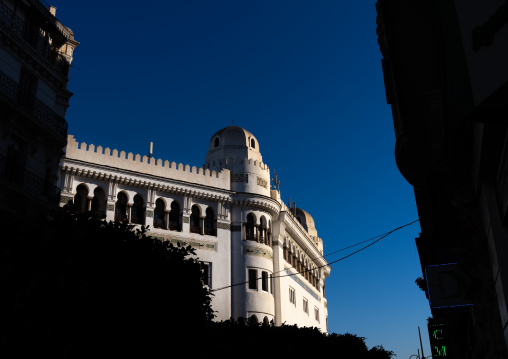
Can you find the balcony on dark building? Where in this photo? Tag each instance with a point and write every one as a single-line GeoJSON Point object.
{"type": "Point", "coordinates": [26, 180]}
{"type": "Point", "coordinates": [37, 110]}
{"type": "Point", "coordinates": [44, 35]}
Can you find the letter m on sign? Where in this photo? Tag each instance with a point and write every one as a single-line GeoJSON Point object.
{"type": "Point", "coordinates": [440, 351]}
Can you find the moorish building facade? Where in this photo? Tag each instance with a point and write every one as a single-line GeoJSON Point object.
{"type": "Point", "coordinates": [264, 259]}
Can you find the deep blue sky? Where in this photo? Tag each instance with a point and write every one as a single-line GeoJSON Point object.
{"type": "Point", "coordinates": [305, 78]}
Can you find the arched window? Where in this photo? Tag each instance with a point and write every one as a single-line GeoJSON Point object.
{"type": "Point", "coordinates": [266, 322]}
{"type": "Point", "coordinates": [252, 143]}
{"type": "Point", "coordinates": [286, 251]}
{"type": "Point", "coordinates": [262, 230]}
{"type": "Point", "coordinates": [138, 210]}
{"type": "Point", "coordinates": [195, 220]}
{"type": "Point", "coordinates": [249, 228]}
{"type": "Point", "coordinates": [210, 222]}
{"type": "Point", "coordinates": [174, 217]}
{"type": "Point", "coordinates": [81, 199]}
{"type": "Point", "coordinates": [216, 142]}
{"type": "Point", "coordinates": [253, 319]}
{"type": "Point", "coordinates": [98, 206]}
{"type": "Point", "coordinates": [269, 233]}
{"type": "Point", "coordinates": [121, 207]}
{"type": "Point", "coordinates": [159, 214]}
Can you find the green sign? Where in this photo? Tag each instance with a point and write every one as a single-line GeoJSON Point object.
{"type": "Point", "coordinates": [438, 340]}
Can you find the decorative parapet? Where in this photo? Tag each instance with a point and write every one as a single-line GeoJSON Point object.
{"type": "Point", "coordinates": [222, 225]}
{"type": "Point", "coordinates": [261, 203]}
{"type": "Point", "coordinates": [136, 163]}
{"type": "Point", "coordinates": [256, 251]}
{"type": "Point", "coordinates": [184, 242]}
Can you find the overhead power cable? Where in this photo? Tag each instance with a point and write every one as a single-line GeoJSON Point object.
{"type": "Point", "coordinates": [377, 239]}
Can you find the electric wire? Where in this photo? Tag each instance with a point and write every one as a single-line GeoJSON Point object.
{"type": "Point", "coordinates": [377, 239]}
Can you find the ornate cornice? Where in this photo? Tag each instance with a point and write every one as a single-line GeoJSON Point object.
{"type": "Point", "coordinates": [143, 181]}
{"type": "Point", "coordinates": [257, 201]}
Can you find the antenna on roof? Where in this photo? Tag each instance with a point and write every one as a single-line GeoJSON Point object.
{"type": "Point", "coordinates": [276, 181]}
{"type": "Point", "coordinates": [151, 150]}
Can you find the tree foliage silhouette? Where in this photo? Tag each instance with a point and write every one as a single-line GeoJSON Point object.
{"type": "Point", "coordinates": [235, 337]}
{"type": "Point", "coordinates": [73, 283]}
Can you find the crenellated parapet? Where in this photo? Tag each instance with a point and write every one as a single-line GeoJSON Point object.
{"type": "Point", "coordinates": [143, 164]}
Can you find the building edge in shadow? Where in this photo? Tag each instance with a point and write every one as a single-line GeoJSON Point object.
{"type": "Point", "coordinates": [446, 79]}
{"type": "Point", "coordinates": [35, 55]}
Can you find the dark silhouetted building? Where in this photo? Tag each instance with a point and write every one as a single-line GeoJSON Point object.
{"type": "Point", "coordinates": [445, 66]}
{"type": "Point", "coordinates": [35, 56]}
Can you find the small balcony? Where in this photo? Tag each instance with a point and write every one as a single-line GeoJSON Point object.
{"type": "Point", "coordinates": [30, 33]}
{"type": "Point", "coordinates": [42, 113]}
{"type": "Point", "coordinates": [30, 182]}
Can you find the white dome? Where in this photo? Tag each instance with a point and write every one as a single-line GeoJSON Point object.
{"type": "Point", "coordinates": [232, 142]}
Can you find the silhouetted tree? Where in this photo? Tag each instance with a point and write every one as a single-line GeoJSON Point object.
{"type": "Point", "coordinates": [74, 285]}
{"type": "Point", "coordinates": [235, 337]}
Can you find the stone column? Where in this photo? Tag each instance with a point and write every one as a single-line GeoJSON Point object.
{"type": "Point", "coordinates": [110, 211]}
{"type": "Point", "coordinates": [149, 216]}
{"type": "Point", "coordinates": [185, 223]}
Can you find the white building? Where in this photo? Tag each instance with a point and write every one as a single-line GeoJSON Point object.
{"type": "Point", "coordinates": [265, 260]}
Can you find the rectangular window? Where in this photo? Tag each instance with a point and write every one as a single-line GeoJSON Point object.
{"type": "Point", "coordinates": [253, 282]}
{"type": "Point", "coordinates": [207, 270]}
{"type": "Point", "coordinates": [27, 89]}
{"type": "Point", "coordinates": [316, 314]}
{"type": "Point", "coordinates": [305, 305]}
{"type": "Point", "coordinates": [292, 297]}
{"type": "Point", "coordinates": [264, 281]}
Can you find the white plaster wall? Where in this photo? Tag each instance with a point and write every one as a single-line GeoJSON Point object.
{"type": "Point", "coordinates": [247, 301]}
{"type": "Point", "coordinates": [237, 274]}
{"type": "Point", "coordinates": [253, 169]}
{"type": "Point", "coordinates": [293, 313]}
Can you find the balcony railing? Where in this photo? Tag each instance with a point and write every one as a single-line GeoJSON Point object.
{"type": "Point", "coordinates": [42, 113]}
{"type": "Point", "coordinates": [159, 223]}
{"type": "Point", "coordinates": [30, 33]}
{"type": "Point", "coordinates": [195, 229]}
{"type": "Point", "coordinates": [30, 182]}
{"type": "Point", "coordinates": [210, 231]}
